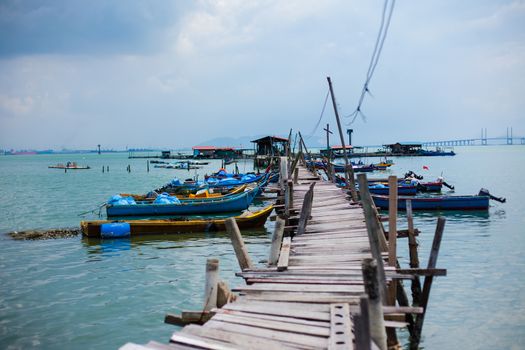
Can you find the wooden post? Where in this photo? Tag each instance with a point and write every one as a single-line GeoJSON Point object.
{"type": "Point", "coordinates": [102, 169]}
{"type": "Point", "coordinates": [375, 307]}
{"type": "Point", "coordinates": [277, 238]}
{"type": "Point", "coordinates": [392, 234]}
{"type": "Point", "coordinates": [306, 209]}
{"type": "Point", "coordinates": [289, 197]}
{"type": "Point", "coordinates": [210, 289]}
{"type": "Point", "coordinates": [349, 170]}
{"type": "Point", "coordinates": [373, 231]}
{"type": "Point", "coordinates": [296, 176]}
{"type": "Point", "coordinates": [362, 325]}
{"type": "Point", "coordinates": [283, 172]}
{"type": "Point", "coordinates": [238, 244]}
{"type": "Point", "coordinates": [432, 261]}
{"type": "Point", "coordinates": [294, 163]}
{"type": "Point", "coordinates": [382, 239]}
{"type": "Point", "coordinates": [414, 260]}
{"type": "Point", "coordinates": [224, 294]}
{"type": "Point", "coordinates": [147, 165]}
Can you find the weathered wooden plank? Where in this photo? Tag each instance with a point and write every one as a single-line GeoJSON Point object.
{"type": "Point", "coordinates": [349, 297]}
{"type": "Point", "coordinates": [273, 324]}
{"type": "Point", "coordinates": [245, 341]}
{"type": "Point", "coordinates": [305, 281]}
{"type": "Point", "coordinates": [341, 336]}
{"type": "Point", "coordinates": [424, 272]}
{"type": "Point", "coordinates": [198, 341]}
{"type": "Point", "coordinates": [291, 306]}
{"type": "Point", "coordinates": [288, 318]}
{"type": "Point", "coordinates": [303, 288]}
{"type": "Point", "coordinates": [286, 337]}
{"type": "Point", "coordinates": [284, 256]}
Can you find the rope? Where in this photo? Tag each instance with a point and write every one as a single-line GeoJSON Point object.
{"type": "Point", "coordinates": [94, 211]}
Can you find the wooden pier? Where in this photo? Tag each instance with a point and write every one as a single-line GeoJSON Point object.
{"type": "Point", "coordinates": [332, 279]}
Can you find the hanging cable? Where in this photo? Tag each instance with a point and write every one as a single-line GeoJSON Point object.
{"type": "Point", "coordinates": [320, 117]}
{"type": "Point", "coordinates": [388, 7]}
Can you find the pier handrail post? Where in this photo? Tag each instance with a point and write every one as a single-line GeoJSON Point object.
{"type": "Point", "coordinates": [210, 289]}
{"type": "Point", "coordinates": [432, 261]}
{"type": "Point", "coordinates": [283, 172]}
{"type": "Point", "coordinates": [296, 176]}
{"type": "Point", "coordinates": [375, 307]}
{"type": "Point", "coordinates": [306, 209]}
{"type": "Point", "coordinates": [349, 170]}
{"type": "Point", "coordinates": [392, 233]}
{"type": "Point", "coordinates": [294, 164]}
{"type": "Point", "coordinates": [289, 197]}
{"type": "Point", "coordinates": [238, 244]}
{"type": "Point", "coordinates": [277, 238]}
{"type": "Point", "coordinates": [362, 325]}
{"type": "Point", "coordinates": [374, 232]}
{"type": "Point", "coordinates": [412, 249]}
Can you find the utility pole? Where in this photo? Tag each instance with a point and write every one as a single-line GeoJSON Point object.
{"type": "Point", "coordinates": [349, 171]}
{"type": "Point", "coordinates": [328, 132]}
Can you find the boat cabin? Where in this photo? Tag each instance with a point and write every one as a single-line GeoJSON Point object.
{"type": "Point", "coordinates": [215, 152]}
{"type": "Point", "coordinates": [403, 148]}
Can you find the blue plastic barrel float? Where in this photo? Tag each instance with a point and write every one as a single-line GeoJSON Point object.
{"type": "Point", "coordinates": [115, 230]}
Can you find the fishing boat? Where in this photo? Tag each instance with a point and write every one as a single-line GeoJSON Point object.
{"type": "Point", "coordinates": [386, 163]}
{"type": "Point", "coordinates": [178, 165]}
{"type": "Point", "coordinates": [176, 186]}
{"type": "Point", "coordinates": [406, 190]}
{"type": "Point", "coordinates": [204, 193]}
{"type": "Point", "coordinates": [469, 202]}
{"type": "Point", "coordinates": [169, 205]}
{"type": "Point", "coordinates": [126, 228]}
{"type": "Point", "coordinates": [69, 166]}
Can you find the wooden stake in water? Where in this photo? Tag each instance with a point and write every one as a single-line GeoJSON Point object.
{"type": "Point", "coordinates": [210, 289]}
{"type": "Point", "coordinates": [238, 244]}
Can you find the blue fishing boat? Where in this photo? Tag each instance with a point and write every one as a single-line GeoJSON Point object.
{"type": "Point", "coordinates": [168, 205]}
{"type": "Point", "coordinates": [176, 186]}
{"type": "Point", "coordinates": [472, 202]}
{"type": "Point", "coordinates": [406, 190]}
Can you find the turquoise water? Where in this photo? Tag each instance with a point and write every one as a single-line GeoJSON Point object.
{"type": "Point", "coordinates": [93, 294]}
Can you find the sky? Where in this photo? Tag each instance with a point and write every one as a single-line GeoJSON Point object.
{"type": "Point", "coordinates": [173, 74]}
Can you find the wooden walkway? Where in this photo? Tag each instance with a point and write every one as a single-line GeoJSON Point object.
{"type": "Point", "coordinates": [314, 297]}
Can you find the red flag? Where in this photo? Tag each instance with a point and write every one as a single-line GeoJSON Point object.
{"type": "Point", "coordinates": [425, 167]}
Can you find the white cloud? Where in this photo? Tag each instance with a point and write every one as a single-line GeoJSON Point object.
{"type": "Point", "coordinates": [15, 105]}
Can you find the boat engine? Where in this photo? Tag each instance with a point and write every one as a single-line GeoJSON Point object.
{"type": "Point", "coordinates": [485, 192]}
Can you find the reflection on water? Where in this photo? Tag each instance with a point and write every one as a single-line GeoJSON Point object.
{"type": "Point", "coordinates": [96, 245]}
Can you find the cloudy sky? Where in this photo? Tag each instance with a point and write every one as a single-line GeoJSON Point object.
{"type": "Point", "coordinates": [177, 73]}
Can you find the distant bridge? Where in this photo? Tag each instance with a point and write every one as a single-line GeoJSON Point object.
{"type": "Point", "coordinates": [483, 140]}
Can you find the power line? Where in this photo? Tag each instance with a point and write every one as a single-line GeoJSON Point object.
{"type": "Point", "coordinates": [320, 117]}
{"type": "Point", "coordinates": [388, 7]}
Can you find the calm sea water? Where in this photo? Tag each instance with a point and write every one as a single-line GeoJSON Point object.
{"type": "Point", "coordinates": [94, 294]}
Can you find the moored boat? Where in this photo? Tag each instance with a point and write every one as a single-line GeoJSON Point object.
{"type": "Point", "coordinates": [106, 228]}
{"type": "Point", "coordinates": [168, 205]}
{"type": "Point", "coordinates": [468, 202]}
{"type": "Point", "coordinates": [202, 194]}
{"type": "Point", "coordinates": [406, 190]}
{"type": "Point", "coordinates": [69, 166]}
